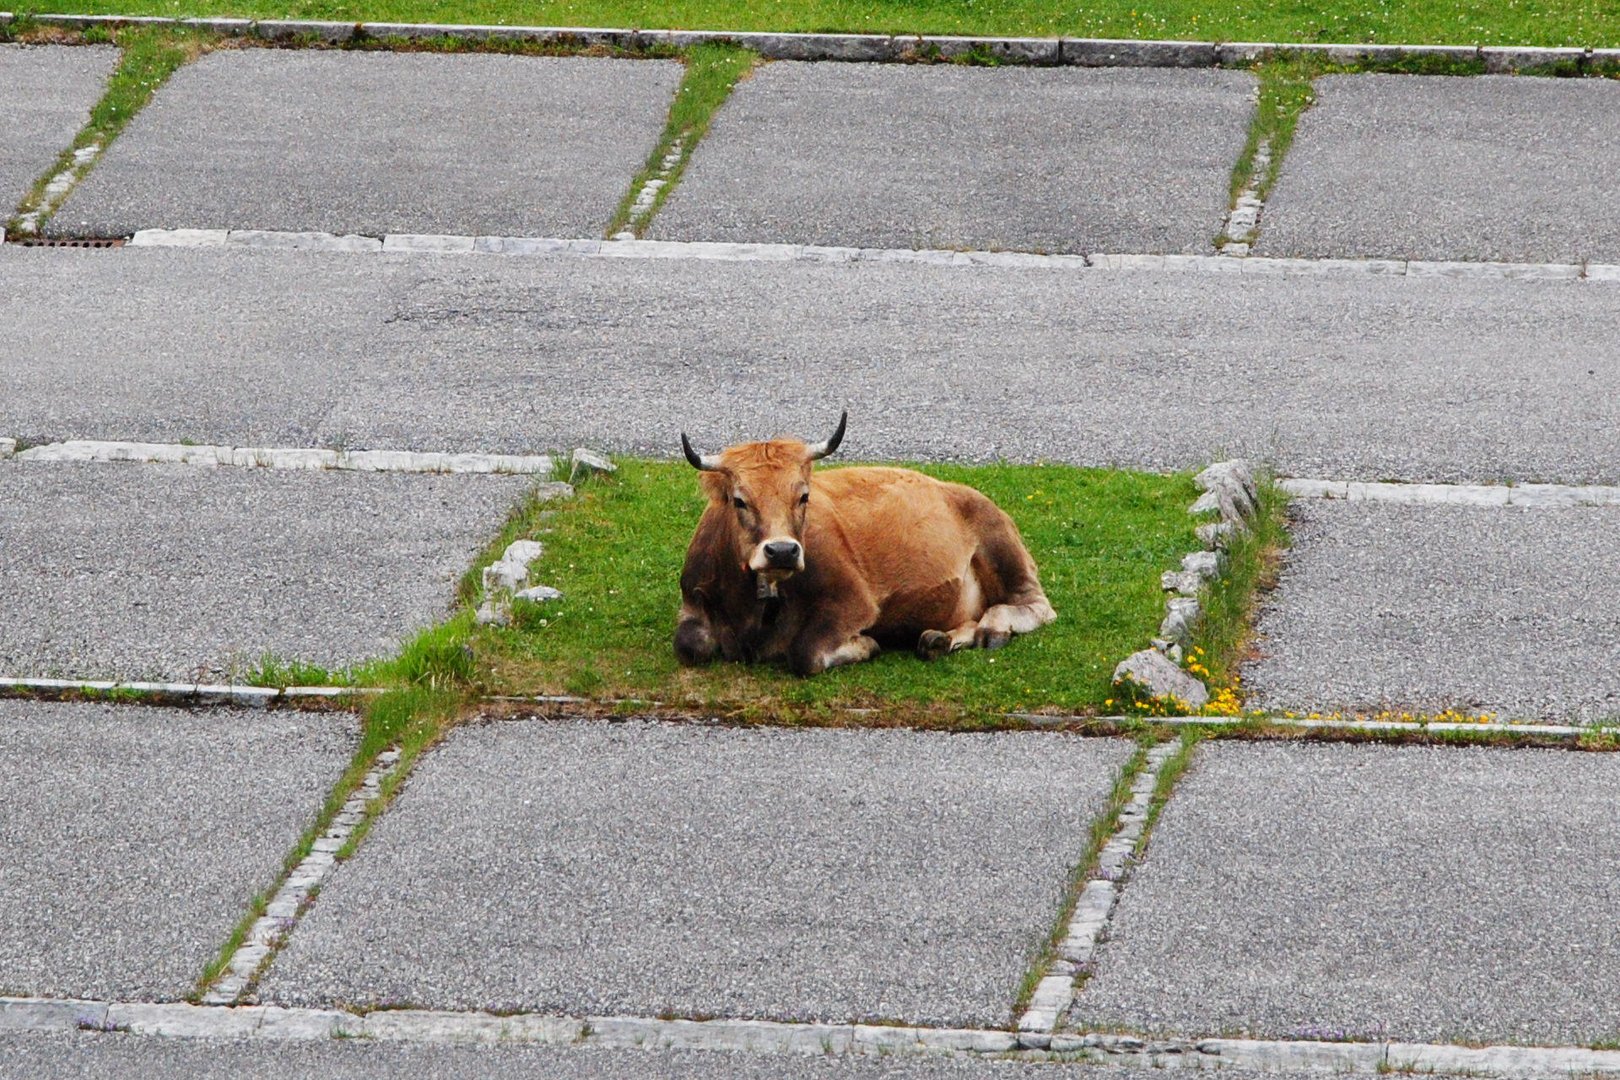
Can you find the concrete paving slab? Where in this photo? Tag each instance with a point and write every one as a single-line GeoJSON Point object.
{"type": "Point", "coordinates": [1432, 607]}
{"type": "Point", "coordinates": [1364, 378]}
{"type": "Point", "coordinates": [1048, 159]}
{"type": "Point", "coordinates": [116, 1057]}
{"type": "Point", "coordinates": [357, 142]}
{"type": "Point", "coordinates": [643, 868]}
{"type": "Point", "coordinates": [179, 572]}
{"type": "Point", "coordinates": [1363, 891]}
{"type": "Point", "coordinates": [1422, 167]}
{"type": "Point", "coordinates": [46, 92]}
{"type": "Point", "coordinates": [133, 838]}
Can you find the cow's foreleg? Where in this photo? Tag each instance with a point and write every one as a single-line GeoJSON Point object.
{"type": "Point", "coordinates": [933, 644]}
{"type": "Point", "coordinates": [815, 652]}
{"type": "Point", "coordinates": [1001, 622]}
{"type": "Point", "coordinates": [694, 642]}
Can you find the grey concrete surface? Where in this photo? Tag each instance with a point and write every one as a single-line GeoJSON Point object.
{"type": "Point", "coordinates": [646, 868]}
{"type": "Point", "coordinates": [1048, 159]}
{"type": "Point", "coordinates": [1433, 607]}
{"type": "Point", "coordinates": [1331, 891]}
{"type": "Point", "coordinates": [117, 1057]}
{"type": "Point", "coordinates": [133, 838]}
{"type": "Point", "coordinates": [1419, 167]}
{"type": "Point", "coordinates": [1348, 378]}
{"type": "Point", "coordinates": [183, 572]}
{"type": "Point", "coordinates": [380, 142]}
{"type": "Point", "coordinates": [45, 97]}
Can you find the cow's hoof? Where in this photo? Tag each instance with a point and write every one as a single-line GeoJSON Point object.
{"type": "Point", "coordinates": [992, 639]}
{"type": "Point", "coordinates": [933, 644]}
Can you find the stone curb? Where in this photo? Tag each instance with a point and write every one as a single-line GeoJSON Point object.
{"type": "Point", "coordinates": [84, 451]}
{"type": "Point", "coordinates": [287, 905]}
{"type": "Point", "coordinates": [1079, 52]}
{"type": "Point", "coordinates": [1527, 496]}
{"type": "Point", "coordinates": [191, 694]}
{"type": "Point", "coordinates": [1233, 263]}
{"type": "Point", "coordinates": [184, 1021]}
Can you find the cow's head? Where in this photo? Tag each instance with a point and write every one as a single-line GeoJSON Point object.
{"type": "Point", "coordinates": [766, 486]}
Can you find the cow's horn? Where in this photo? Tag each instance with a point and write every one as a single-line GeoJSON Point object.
{"type": "Point", "coordinates": [822, 449]}
{"type": "Point", "coordinates": [701, 462]}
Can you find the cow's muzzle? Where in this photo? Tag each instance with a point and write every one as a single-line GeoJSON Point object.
{"type": "Point", "coordinates": [785, 556]}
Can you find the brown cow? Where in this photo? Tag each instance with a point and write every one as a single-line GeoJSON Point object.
{"type": "Point", "coordinates": [817, 571]}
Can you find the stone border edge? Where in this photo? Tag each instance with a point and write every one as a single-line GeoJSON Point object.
{"type": "Point", "coordinates": [270, 1022]}
{"type": "Point", "coordinates": [90, 451]}
{"type": "Point", "coordinates": [1525, 496]}
{"type": "Point", "coordinates": [1079, 52]}
{"type": "Point", "coordinates": [718, 251]}
{"type": "Point", "coordinates": [188, 694]}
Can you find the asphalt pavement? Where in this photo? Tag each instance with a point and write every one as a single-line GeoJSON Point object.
{"type": "Point", "coordinates": [373, 142]}
{"type": "Point", "coordinates": [135, 837]}
{"type": "Point", "coordinates": [188, 573]}
{"type": "Point", "coordinates": [1350, 378]}
{"type": "Point", "coordinates": [1433, 607]}
{"type": "Point", "coordinates": [116, 1057]}
{"type": "Point", "coordinates": [944, 156]}
{"type": "Point", "coordinates": [649, 869]}
{"type": "Point", "coordinates": [1312, 891]}
{"type": "Point", "coordinates": [1497, 167]}
{"type": "Point", "coordinates": [45, 98]}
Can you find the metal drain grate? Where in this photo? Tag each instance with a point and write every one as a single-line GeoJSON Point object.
{"type": "Point", "coordinates": [49, 241]}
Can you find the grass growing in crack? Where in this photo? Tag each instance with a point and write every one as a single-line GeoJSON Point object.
{"type": "Point", "coordinates": [1252, 565]}
{"type": "Point", "coordinates": [1285, 94]}
{"type": "Point", "coordinates": [149, 56]}
{"type": "Point", "coordinates": [1170, 773]}
{"type": "Point", "coordinates": [711, 73]}
{"type": "Point", "coordinates": [1100, 537]}
{"type": "Point", "coordinates": [1103, 827]}
{"type": "Point", "coordinates": [275, 671]}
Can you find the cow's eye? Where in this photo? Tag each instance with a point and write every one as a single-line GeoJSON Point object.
{"type": "Point", "coordinates": [804, 498]}
{"type": "Point", "coordinates": [737, 501]}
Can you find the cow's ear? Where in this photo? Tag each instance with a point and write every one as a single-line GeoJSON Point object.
{"type": "Point", "coordinates": [716, 485]}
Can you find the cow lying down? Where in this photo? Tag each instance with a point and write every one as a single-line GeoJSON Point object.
{"type": "Point", "coordinates": [819, 570]}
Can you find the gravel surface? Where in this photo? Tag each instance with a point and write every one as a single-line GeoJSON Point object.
{"type": "Point", "coordinates": [1350, 378]}
{"type": "Point", "coordinates": [380, 142]}
{"type": "Point", "coordinates": [133, 837]}
{"type": "Point", "coordinates": [876, 155]}
{"type": "Point", "coordinates": [1433, 607]}
{"type": "Point", "coordinates": [45, 97]}
{"type": "Point", "coordinates": [1423, 893]}
{"type": "Point", "coordinates": [117, 1057]}
{"type": "Point", "coordinates": [178, 572]}
{"type": "Point", "coordinates": [645, 868]}
{"type": "Point", "coordinates": [1419, 167]}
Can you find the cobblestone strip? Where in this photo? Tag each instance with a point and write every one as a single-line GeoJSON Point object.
{"type": "Point", "coordinates": [641, 210]}
{"type": "Point", "coordinates": [1092, 910]}
{"type": "Point", "coordinates": [292, 899]}
{"type": "Point", "coordinates": [1243, 221]}
{"type": "Point", "coordinates": [160, 693]}
{"type": "Point", "coordinates": [57, 189]}
{"type": "Point", "coordinates": [80, 451]}
{"type": "Point", "coordinates": [429, 244]}
{"type": "Point", "coordinates": [1529, 496]}
{"type": "Point", "coordinates": [1085, 52]}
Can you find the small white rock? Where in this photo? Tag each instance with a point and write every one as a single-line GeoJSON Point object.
{"type": "Point", "coordinates": [492, 614]}
{"type": "Point", "coordinates": [587, 464]}
{"type": "Point", "coordinates": [539, 594]}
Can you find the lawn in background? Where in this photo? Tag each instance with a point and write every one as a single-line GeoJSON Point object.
{"type": "Point", "coordinates": [1101, 539]}
{"type": "Point", "coordinates": [1593, 23]}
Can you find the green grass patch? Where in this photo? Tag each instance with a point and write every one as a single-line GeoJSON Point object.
{"type": "Point", "coordinates": [711, 73]}
{"type": "Point", "coordinates": [1100, 537]}
{"type": "Point", "coordinates": [1456, 22]}
{"type": "Point", "coordinates": [149, 56]}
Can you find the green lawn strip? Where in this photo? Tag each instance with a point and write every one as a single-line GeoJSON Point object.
{"type": "Point", "coordinates": [1593, 23]}
{"type": "Point", "coordinates": [1100, 537]}
{"type": "Point", "coordinates": [149, 56]}
{"type": "Point", "coordinates": [711, 73]}
{"type": "Point", "coordinates": [1103, 827]}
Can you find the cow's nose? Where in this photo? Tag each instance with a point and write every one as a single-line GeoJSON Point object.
{"type": "Point", "coordinates": [782, 553]}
